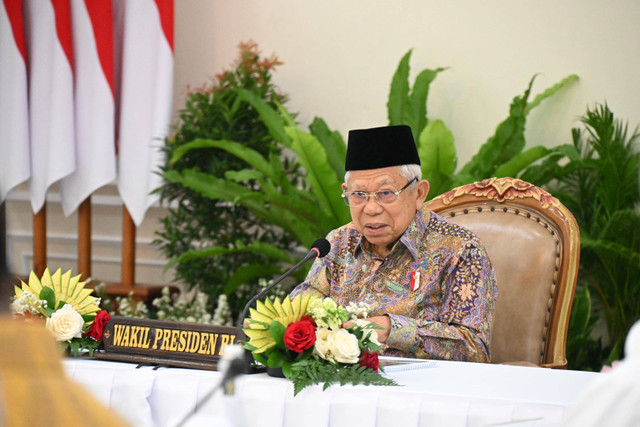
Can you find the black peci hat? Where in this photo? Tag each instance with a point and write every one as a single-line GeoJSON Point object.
{"type": "Point", "coordinates": [381, 147]}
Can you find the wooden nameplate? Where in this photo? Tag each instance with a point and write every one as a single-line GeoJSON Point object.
{"type": "Point", "coordinates": [162, 343]}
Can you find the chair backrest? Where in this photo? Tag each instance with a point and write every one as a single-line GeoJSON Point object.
{"type": "Point", "coordinates": [533, 242]}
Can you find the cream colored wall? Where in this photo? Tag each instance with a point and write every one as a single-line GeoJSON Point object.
{"type": "Point", "coordinates": [340, 56]}
{"type": "Point", "coordinates": [339, 59]}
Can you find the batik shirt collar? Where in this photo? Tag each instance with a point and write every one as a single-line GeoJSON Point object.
{"type": "Point", "coordinates": [411, 238]}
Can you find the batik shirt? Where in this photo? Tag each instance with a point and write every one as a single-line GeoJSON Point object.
{"type": "Point", "coordinates": [448, 314]}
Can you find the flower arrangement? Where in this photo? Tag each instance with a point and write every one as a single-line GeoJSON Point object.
{"type": "Point", "coordinates": [315, 341]}
{"type": "Point", "coordinates": [191, 307]}
{"type": "Point", "coordinates": [71, 314]}
{"type": "Point", "coordinates": [171, 306]}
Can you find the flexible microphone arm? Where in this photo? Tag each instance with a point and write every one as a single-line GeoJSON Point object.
{"type": "Point", "coordinates": [319, 249]}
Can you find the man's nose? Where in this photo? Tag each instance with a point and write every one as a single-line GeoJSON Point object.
{"type": "Point", "coordinates": [371, 206]}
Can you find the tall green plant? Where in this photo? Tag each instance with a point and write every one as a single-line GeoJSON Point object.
{"type": "Point", "coordinates": [302, 212]}
{"type": "Point", "coordinates": [597, 179]}
{"type": "Point", "coordinates": [199, 223]}
{"type": "Point", "coordinates": [503, 154]}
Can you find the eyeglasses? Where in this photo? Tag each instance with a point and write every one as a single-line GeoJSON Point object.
{"type": "Point", "coordinates": [384, 197]}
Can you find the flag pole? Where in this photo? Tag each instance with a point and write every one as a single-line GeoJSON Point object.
{"type": "Point", "coordinates": [40, 241]}
{"type": "Point", "coordinates": [84, 238]}
{"type": "Point", "coordinates": [128, 249]}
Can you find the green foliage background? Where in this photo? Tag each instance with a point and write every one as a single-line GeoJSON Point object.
{"type": "Point", "coordinates": [596, 177]}
{"type": "Point", "coordinates": [195, 221]}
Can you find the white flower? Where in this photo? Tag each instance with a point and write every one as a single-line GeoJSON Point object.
{"type": "Point", "coordinates": [316, 303]}
{"type": "Point", "coordinates": [27, 303]}
{"type": "Point", "coordinates": [222, 314]}
{"type": "Point", "coordinates": [360, 309]}
{"type": "Point", "coordinates": [319, 314]}
{"type": "Point", "coordinates": [65, 324]}
{"type": "Point", "coordinates": [340, 345]}
{"type": "Point", "coordinates": [335, 324]}
{"type": "Point", "coordinates": [344, 347]}
{"type": "Point", "coordinates": [329, 304]}
{"type": "Point", "coordinates": [322, 346]}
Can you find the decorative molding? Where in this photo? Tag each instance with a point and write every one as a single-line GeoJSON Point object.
{"type": "Point", "coordinates": [501, 189]}
{"type": "Point", "coordinates": [72, 238]}
{"type": "Point", "coordinates": [26, 258]}
{"type": "Point", "coordinates": [54, 197]}
{"type": "Point", "coordinates": [23, 196]}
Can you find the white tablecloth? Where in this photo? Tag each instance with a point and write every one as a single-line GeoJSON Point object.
{"type": "Point", "coordinates": [444, 394]}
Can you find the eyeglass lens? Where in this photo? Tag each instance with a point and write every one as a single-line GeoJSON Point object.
{"type": "Point", "coordinates": [357, 198]}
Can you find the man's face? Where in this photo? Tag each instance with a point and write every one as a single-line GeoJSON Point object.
{"type": "Point", "coordinates": [383, 224]}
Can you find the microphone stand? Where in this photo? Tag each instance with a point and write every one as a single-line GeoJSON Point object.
{"type": "Point", "coordinates": [314, 252]}
{"type": "Point", "coordinates": [237, 366]}
{"type": "Point", "coordinates": [240, 365]}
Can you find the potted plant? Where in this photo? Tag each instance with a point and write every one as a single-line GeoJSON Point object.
{"type": "Point", "coordinates": [195, 221]}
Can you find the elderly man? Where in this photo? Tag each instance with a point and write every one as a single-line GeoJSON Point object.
{"type": "Point", "coordinates": [429, 283]}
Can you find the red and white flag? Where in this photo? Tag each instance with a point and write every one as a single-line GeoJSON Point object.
{"type": "Point", "coordinates": [95, 148]}
{"type": "Point", "coordinates": [144, 41]}
{"type": "Point", "coordinates": [51, 113]}
{"type": "Point", "coordinates": [14, 108]}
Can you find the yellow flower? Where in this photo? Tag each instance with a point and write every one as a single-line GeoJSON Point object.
{"type": "Point", "coordinates": [64, 289]}
{"type": "Point", "coordinates": [287, 312]}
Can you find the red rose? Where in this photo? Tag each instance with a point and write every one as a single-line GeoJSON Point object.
{"type": "Point", "coordinates": [301, 335]}
{"type": "Point", "coordinates": [97, 328]}
{"type": "Point", "coordinates": [308, 318]}
{"type": "Point", "coordinates": [370, 360]}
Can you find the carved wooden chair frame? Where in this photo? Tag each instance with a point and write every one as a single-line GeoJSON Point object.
{"type": "Point", "coordinates": [517, 197]}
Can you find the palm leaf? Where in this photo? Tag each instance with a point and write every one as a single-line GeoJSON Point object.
{"type": "Point", "coordinates": [247, 273]}
{"type": "Point", "coordinates": [418, 100]}
{"type": "Point", "coordinates": [75, 286]}
{"type": "Point", "coordinates": [256, 246]}
{"type": "Point", "coordinates": [34, 282]}
{"type": "Point", "coordinates": [46, 279]}
{"type": "Point", "coordinates": [270, 117]}
{"type": "Point", "coordinates": [333, 144]}
{"type": "Point", "coordinates": [507, 141]}
{"type": "Point", "coordinates": [322, 179]}
{"type": "Point", "coordinates": [252, 157]}
{"type": "Point", "coordinates": [520, 161]}
{"type": "Point", "coordinates": [220, 189]}
{"type": "Point", "coordinates": [551, 91]}
{"type": "Point", "coordinates": [309, 212]}
{"type": "Point", "coordinates": [398, 103]}
{"type": "Point", "coordinates": [610, 249]}
{"type": "Point", "coordinates": [438, 154]}
{"type": "Point", "coordinates": [243, 175]}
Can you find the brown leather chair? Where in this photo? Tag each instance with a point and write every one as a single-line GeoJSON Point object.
{"type": "Point", "coordinates": [534, 244]}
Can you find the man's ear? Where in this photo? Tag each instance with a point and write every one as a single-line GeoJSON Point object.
{"type": "Point", "coordinates": [344, 186]}
{"type": "Point", "coordinates": [422, 189]}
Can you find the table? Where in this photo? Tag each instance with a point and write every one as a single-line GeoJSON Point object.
{"type": "Point", "coordinates": [446, 393]}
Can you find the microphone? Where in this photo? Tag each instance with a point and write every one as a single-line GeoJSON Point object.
{"type": "Point", "coordinates": [319, 249]}
{"type": "Point", "coordinates": [232, 364]}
